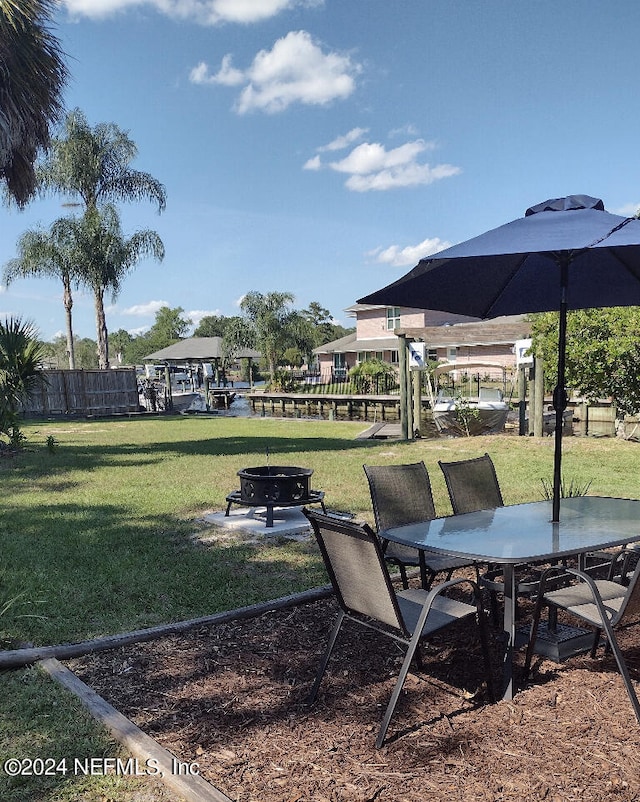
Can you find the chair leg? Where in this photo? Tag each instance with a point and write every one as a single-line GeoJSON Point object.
{"type": "Point", "coordinates": [533, 635]}
{"type": "Point", "coordinates": [427, 580]}
{"type": "Point", "coordinates": [402, 568]}
{"type": "Point", "coordinates": [622, 667]}
{"type": "Point", "coordinates": [325, 658]}
{"type": "Point", "coordinates": [495, 609]}
{"type": "Point", "coordinates": [426, 576]}
{"type": "Point", "coordinates": [402, 676]}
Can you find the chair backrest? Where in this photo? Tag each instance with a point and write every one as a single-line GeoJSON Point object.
{"type": "Point", "coordinates": [472, 484]}
{"type": "Point", "coordinates": [629, 611]}
{"type": "Point", "coordinates": [355, 564]}
{"type": "Point", "coordinates": [400, 494]}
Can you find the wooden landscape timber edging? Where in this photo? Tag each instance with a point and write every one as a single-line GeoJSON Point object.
{"type": "Point", "coordinates": [166, 767]}
{"type": "Point", "coordinates": [17, 658]}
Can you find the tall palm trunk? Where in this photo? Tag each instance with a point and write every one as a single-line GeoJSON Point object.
{"type": "Point", "coordinates": [67, 300]}
{"type": "Point", "coordinates": [101, 329]}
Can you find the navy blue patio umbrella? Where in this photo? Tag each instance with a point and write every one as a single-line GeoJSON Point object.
{"type": "Point", "coordinates": [565, 253]}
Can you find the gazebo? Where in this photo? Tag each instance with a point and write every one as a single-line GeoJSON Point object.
{"type": "Point", "coordinates": [200, 349]}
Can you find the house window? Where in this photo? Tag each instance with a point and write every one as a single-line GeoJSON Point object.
{"type": "Point", "coordinates": [394, 357]}
{"type": "Point", "coordinates": [367, 356]}
{"type": "Point", "coordinates": [432, 355]}
{"type": "Point", "coordinates": [451, 353]}
{"type": "Point", "coordinates": [339, 367]}
{"type": "Point", "coordinates": [393, 318]}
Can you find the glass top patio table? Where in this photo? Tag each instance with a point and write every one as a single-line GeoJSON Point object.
{"type": "Point", "coordinates": [524, 533]}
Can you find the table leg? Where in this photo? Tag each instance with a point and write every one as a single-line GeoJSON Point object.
{"type": "Point", "coordinates": [423, 569]}
{"type": "Point", "coordinates": [508, 575]}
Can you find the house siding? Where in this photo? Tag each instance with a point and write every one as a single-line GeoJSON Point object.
{"type": "Point", "coordinates": [371, 323]}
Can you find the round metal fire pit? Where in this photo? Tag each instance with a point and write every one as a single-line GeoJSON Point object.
{"type": "Point", "coordinates": [274, 486]}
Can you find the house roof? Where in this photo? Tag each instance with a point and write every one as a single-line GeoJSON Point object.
{"type": "Point", "coordinates": [499, 331]}
{"type": "Point", "coordinates": [196, 349]}
{"type": "Point", "coordinates": [351, 343]}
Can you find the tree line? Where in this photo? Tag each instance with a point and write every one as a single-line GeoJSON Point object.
{"type": "Point", "coordinates": [268, 323]}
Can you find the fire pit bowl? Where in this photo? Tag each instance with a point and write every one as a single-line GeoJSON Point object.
{"type": "Point", "coordinates": [274, 486]}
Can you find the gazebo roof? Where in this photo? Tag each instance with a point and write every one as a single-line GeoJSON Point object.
{"type": "Point", "coordinates": [194, 349]}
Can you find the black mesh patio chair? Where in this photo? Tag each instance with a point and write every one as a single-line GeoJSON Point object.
{"type": "Point", "coordinates": [473, 485]}
{"type": "Point", "coordinates": [401, 494]}
{"type": "Point", "coordinates": [620, 563]}
{"type": "Point", "coordinates": [630, 556]}
{"type": "Point", "coordinates": [360, 578]}
{"type": "Point", "coordinates": [607, 606]}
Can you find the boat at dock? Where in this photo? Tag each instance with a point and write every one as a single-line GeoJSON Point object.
{"type": "Point", "coordinates": [470, 415]}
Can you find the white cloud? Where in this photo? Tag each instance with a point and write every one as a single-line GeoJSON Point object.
{"type": "Point", "coordinates": [144, 310]}
{"type": "Point", "coordinates": [405, 130]}
{"type": "Point", "coordinates": [196, 315]}
{"type": "Point", "coordinates": [409, 175]}
{"type": "Point", "coordinates": [312, 164]}
{"type": "Point", "coordinates": [226, 75]}
{"type": "Point", "coordinates": [205, 12]}
{"type": "Point", "coordinates": [99, 8]}
{"type": "Point", "coordinates": [371, 166]}
{"type": "Point", "coordinates": [373, 157]}
{"type": "Point", "coordinates": [628, 210]}
{"type": "Point", "coordinates": [341, 142]}
{"type": "Point", "coordinates": [397, 256]}
{"type": "Point", "coordinates": [295, 70]}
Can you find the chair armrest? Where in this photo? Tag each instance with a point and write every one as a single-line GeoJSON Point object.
{"type": "Point", "coordinates": [439, 589]}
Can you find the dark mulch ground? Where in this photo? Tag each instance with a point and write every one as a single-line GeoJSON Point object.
{"type": "Point", "coordinates": [231, 698]}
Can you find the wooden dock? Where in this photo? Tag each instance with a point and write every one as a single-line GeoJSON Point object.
{"type": "Point", "coordinates": [381, 431]}
{"type": "Point", "coordinates": [379, 408]}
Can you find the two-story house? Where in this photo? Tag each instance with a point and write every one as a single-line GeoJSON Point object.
{"type": "Point", "coordinates": [374, 336]}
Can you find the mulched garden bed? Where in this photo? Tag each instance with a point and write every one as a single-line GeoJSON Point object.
{"type": "Point", "coordinates": [231, 698]}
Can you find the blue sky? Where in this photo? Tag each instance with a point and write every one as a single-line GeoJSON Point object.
{"type": "Point", "coordinates": [322, 147]}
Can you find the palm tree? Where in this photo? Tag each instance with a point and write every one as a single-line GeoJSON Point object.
{"type": "Point", "coordinates": [48, 254]}
{"type": "Point", "coordinates": [32, 77]}
{"type": "Point", "coordinates": [104, 256]}
{"type": "Point", "coordinates": [20, 372]}
{"type": "Point", "coordinates": [92, 165]}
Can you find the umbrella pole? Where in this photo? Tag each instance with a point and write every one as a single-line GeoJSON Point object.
{"type": "Point", "coordinates": [560, 392]}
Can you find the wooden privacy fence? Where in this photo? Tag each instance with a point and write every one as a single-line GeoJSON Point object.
{"type": "Point", "coordinates": [86, 392]}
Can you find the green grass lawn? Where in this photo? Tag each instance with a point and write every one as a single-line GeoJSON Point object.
{"type": "Point", "coordinates": [96, 538]}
